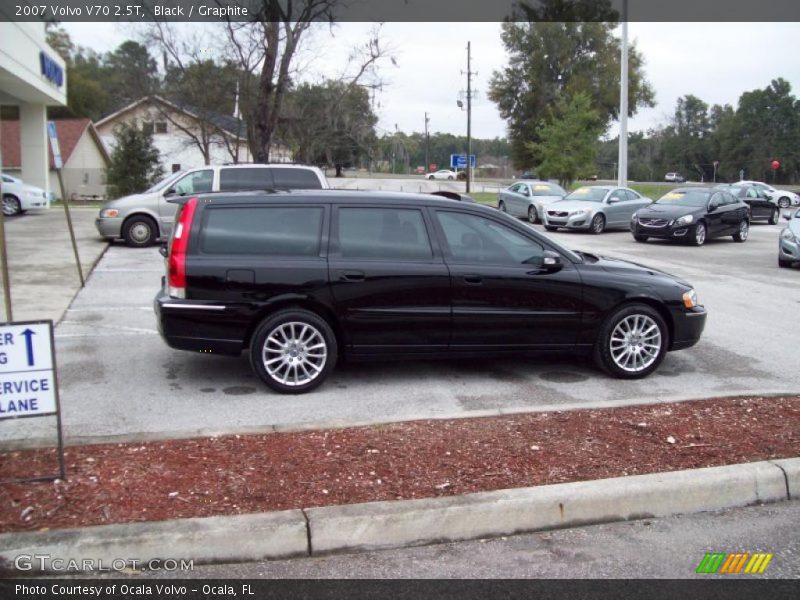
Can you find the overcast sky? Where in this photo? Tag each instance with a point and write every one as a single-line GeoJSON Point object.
{"type": "Point", "coordinates": [714, 61]}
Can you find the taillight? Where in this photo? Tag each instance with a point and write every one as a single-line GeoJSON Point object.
{"type": "Point", "coordinates": [176, 276]}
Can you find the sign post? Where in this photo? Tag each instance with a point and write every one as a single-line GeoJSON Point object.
{"type": "Point", "coordinates": [28, 382]}
{"type": "Point", "coordinates": [53, 135]}
{"type": "Point", "coordinates": [4, 252]}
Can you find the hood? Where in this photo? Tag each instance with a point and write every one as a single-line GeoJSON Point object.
{"type": "Point", "coordinates": [668, 211]}
{"type": "Point", "coordinates": [571, 205]}
{"type": "Point", "coordinates": [616, 265]}
{"type": "Point", "coordinates": [35, 190]}
{"type": "Point", "coordinates": [547, 199]}
{"type": "Point", "coordinates": [132, 200]}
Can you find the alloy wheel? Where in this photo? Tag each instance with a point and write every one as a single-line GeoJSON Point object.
{"type": "Point", "coordinates": [700, 234]}
{"type": "Point", "coordinates": [635, 343]}
{"type": "Point", "coordinates": [294, 353]}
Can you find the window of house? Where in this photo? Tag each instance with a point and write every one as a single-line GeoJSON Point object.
{"type": "Point", "coordinates": [147, 127]}
{"type": "Point", "coordinates": [161, 127]}
{"type": "Point", "coordinates": [176, 167]}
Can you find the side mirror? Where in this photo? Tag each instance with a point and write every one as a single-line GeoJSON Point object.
{"type": "Point", "coordinates": [551, 262]}
{"type": "Point", "coordinates": [162, 250]}
{"type": "Point", "coordinates": [614, 200]}
{"type": "Point", "coordinates": [787, 217]}
{"type": "Point", "coordinates": [712, 207]}
{"type": "Point", "coordinates": [170, 192]}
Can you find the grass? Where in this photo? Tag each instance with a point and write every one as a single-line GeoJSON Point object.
{"type": "Point", "coordinates": [488, 198]}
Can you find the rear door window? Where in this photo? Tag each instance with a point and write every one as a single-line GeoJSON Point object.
{"type": "Point", "coordinates": [250, 178]}
{"type": "Point", "coordinates": [197, 182]}
{"type": "Point", "coordinates": [383, 233]}
{"type": "Point", "coordinates": [262, 230]}
{"type": "Point", "coordinates": [295, 179]}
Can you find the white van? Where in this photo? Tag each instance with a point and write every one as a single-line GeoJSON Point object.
{"type": "Point", "coordinates": [141, 219]}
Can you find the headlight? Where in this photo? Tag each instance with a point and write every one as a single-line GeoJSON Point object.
{"type": "Point", "coordinates": [690, 299]}
{"type": "Point", "coordinates": [787, 235]}
{"type": "Point", "coordinates": [33, 194]}
{"type": "Point", "coordinates": [684, 220]}
{"type": "Point", "coordinates": [583, 211]}
{"type": "Point", "coordinates": [633, 217]}
{"type": "Point", "coordinates": [108, 213]}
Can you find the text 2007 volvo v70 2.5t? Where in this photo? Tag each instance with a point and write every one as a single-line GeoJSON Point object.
{"type": "Point", "coordinates": [298, 278]}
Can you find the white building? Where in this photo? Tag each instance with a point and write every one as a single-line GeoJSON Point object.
{"type": "Point", "coordinates": [32, 77]}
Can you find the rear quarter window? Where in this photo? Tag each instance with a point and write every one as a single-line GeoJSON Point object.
{"type": "Point", "coordinates": [262, 230]}
{"type": "Point", "coordinates": [295, 179]}
{"type": "Point", "coordinates": [234, 180]}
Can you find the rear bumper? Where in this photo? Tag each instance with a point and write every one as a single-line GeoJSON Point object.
{"type": "Point", "coordinates": [688, 327]}
{"type": "Point", "coordinates": [209, 328]}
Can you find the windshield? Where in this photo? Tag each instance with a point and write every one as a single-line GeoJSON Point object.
{"type": "Point", "coordinates": [588, 194]}
{"type": "Point", "coordinates": [545, 189]}
{"type": "Point", "coordinates": [684, 198]}
{"type": "Point", "coordinates": [164, 182]}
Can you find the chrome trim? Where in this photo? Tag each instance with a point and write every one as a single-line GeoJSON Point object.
{"type": "Point", "coordinates": [195, 306]}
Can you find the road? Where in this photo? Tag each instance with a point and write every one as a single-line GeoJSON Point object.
{"type": "Point", "coordinates": [119, 381]}
{"type": "Point", "coordinates": [655, 548]}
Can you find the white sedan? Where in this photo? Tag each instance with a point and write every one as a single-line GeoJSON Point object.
{"type": "Point", "coordinates": [443, 174]}
{"type": "Point", "coordinates": [19, 197]}
{"type": "Point", "coordinates": [783, 198]}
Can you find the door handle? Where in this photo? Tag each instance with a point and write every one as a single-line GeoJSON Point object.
{"type": "Point", "coordinates": [473, 279]}
{"type": "Point", "coordinates": [352, 276]}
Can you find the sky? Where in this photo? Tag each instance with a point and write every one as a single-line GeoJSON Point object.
{"type": "Point", "coordinates": [714, 61]}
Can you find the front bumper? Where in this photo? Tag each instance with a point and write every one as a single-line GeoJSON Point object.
{"type": "Point", "coordinates": [110, 228]}
{"type": "Point", "coordinates": [688, 327]}
{"type": "Point", "coordinates": [34, 203]}
{"type": "Point", "coordinates": [665, 231]}
{"type": "Point", "coordinates": [558, 219]}
{"type": "Point", "coordinates": [789, 249]}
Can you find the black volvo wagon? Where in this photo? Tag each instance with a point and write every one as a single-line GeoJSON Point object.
{"type": "Point", "coordinates": [299, 278]}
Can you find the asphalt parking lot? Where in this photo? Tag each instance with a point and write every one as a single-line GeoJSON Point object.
{"type": "Point", "coordinates": [119, 381]}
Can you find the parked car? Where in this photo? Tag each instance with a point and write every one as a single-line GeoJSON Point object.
{"type": "Point", "coordinates": [529, 199]}
{"type": "Point", "coordinates": [693, 215]}
{"type": "Point", "coordinates": [443, 174]}
{"type": "Point", "coordinates": [141, 219]}
{"type": "Point", "coordinates": [783, 198]}
{"type": "Point", "coordinates": [789, 241]}
{"type": "Point", "coordinates": [298, 278]}
{"type": "Point", "coordinates": [761, 207]}
{"type": "Point", "coordinates": [528, 175]}
{"type": "Point", "coordinates": [19, 196]}
{"type": "Point", "coordinates": [674, 178]}
{"type": "Point", "coordinates": [595, 208]}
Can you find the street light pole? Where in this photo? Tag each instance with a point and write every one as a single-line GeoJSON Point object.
{"type": "Point", "coordinates": [622, 178]}
{"type": "Point", "coordinates": [427, 143]}
{"type": "Point", "coordinates": [469, 115]}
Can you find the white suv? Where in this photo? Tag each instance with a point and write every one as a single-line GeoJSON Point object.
{"type": "Point", "coordinates": [141, 219]}
{"type": "Point", "coordinates": [19, 197]}
{"type": "Point", "coordinates": [783, 198]}
{"type": "Point", "coordinates": [674, 178]}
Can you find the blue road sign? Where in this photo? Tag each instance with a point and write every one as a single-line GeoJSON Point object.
{"type": "Point", "coordinates": [53, 135]}
{"type": "Point", "coordinates": [459, 161]}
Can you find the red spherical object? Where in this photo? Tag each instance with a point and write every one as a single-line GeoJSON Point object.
{"type": "Point", "coordinates": [775, 165]}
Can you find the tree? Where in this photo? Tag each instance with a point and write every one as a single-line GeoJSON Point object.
{"type": "Point", "coordinates": [131, 73]}
{"type": "Point", "coordinates": [568, 141]}
{"type": "Point", "coordinates": [549, 61]}
{"type": "Point", "coordinates": [86, 96]}
{"type": "Point", "coordinates": [687, 144]}
{"type": "Point", "coordinates": [135, 163]}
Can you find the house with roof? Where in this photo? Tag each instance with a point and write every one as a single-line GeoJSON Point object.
{"type": "Point", "coordinates": [187, 136]}
{"type": "Point", "coordinates": [83, 154]}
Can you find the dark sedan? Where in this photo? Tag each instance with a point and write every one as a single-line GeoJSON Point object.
{"type": "Point", "coordinates": [761, 207]}
{"type": "Point", "coordinates": [693, 215]}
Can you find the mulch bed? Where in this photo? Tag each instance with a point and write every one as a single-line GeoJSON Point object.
{"type": "Point", "coordinates": [118, 483]}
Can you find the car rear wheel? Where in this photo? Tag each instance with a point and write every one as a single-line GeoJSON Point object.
{"type": "Point", "coordinates": [775, 217]}
{"type": "Point", "coordinates": [640, 238]}
{"type": "Point", "coordinates": [139, 232]}
{"type": "Point", "coordinates": [782, 262]}
{"type": "Point", "coordinates": [449, 178]}
{"type": "Point", "coordinates": [742, 233]}
{"type": "Point", "coordinates": [598, 224]}
{"type": "Point", "coordinates": [632, 342]}
{"type": "Point", "coordinates": [784, 202]}
{"type": "Point", "coordinates": [11, 206]}
{"type": "Point", "coordinates": [533, 216]}
{"type": "Point", "coordinates": [430, 177]}
{"type": "Point", "coordinates": [699, 234]}
{"type": "Point", "coordinates": [293, 351]}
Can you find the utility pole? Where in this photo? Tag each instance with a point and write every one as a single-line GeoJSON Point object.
{"type": "Point", "coordinates": [469, 114]}
{"type": "Point", "coordinates": [622, 179]}
{"type": "Point", "coordinates": [427, 143]}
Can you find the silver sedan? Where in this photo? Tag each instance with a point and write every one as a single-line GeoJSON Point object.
{"type": "Point", "coordinates": [789, 242]}
{"type": "Point", "coordinates": [529, 199]}
{"type": "Point", "coordinates": [595, 208]}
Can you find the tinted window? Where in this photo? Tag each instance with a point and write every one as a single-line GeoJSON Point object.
{"type": "Point", "coordinates": [393, 233]}
{"type": "Point", "coordinates": [588, 194]}
{"type": "Point", "coordinates": [547, 189]}
{"type": "Point", "coordinates": [195, 183]}
{"type": "Point", "coordinates": [684, 198]}
{"type": "Point", "coordinates": [631, 195]}
{"type": "Point", "coordinates": [295, 179]}
{"type": "Point", "coordinates": [232, 180]}
{"type": "Point", "coordinates": [476, 239]}
{"type": "Point", "coordinates": [272, 230]}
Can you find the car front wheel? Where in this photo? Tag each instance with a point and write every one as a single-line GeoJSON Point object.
{"type": "Point", "coordinates": [550, 227]}
{"type": "Point", "coordinates": [784, 202]}
{"type": "Point", "coordinates": [632, 342]}
{"type": "Point", "coordinates": [598, 224]}
{"type": "Point", "coordinates": [775, 217]}
{"type": "Point", "coordinates": [293, 351]}
{"type": "Point", "coordinates": [533, 216]}
{"type": "Point", "coordinates": [501, 206]}
{"type": "Point", "coordinates": [640, 238]}
{"type": "Point", "coordinates": [11, 206]}
{"type": "Point", "coordinates": [699, 234]}
{"type": "Point", "coordinates": [139, 232]}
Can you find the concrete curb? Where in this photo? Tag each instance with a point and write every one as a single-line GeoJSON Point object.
{"type": "Point", "coordinates": [378, 525]}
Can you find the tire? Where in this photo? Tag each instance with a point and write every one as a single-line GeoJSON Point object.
{"type": "Point", "coordinates": [533, 216]}
{"type": "Point", "coordinates": [501, 206]}
{"type": "Point", "coordinates": [140, 232]}
{"type": "Point", "coordinates": [285, 338]}
{"type": "Point", "coordinates": [742, 233]}
{"type": "Point", "coordinates": [775, 217]}
{"type": "Point", "coordinates": [626, 357]}
{"type": "Point", "coordinates": [550, 227]}
{"type": "Point", "coordinates": [784, 202]}
{"type": "Point", "coordinates": [784, 263]}
{"type": "Point", "coordinates": [640, 238]}
{"type": "Point", "coordinates": [700, 234]}
{"type": "Point", "coordinates": [598, 224]}
{"type": "Point", "coordinates": [430, 177]}
{"type": "Point", "coordinates": [450, 178]}
{"type": "Point", "coordinates": [11, 206]}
